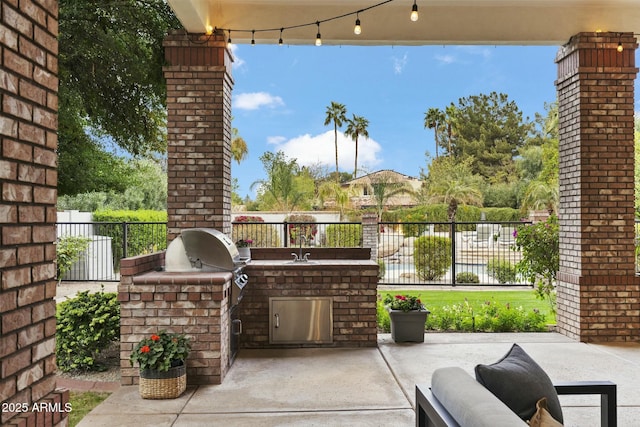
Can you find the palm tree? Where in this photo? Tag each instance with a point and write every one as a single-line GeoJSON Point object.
{"type": "Point", "coordinates": [452, 182]}
{"type": "Point", "coordinates": [336, 113]}
{"type": "Point", "coordinates": [541, 195]}
{"type": "Point", "coordinates": [239, 150]}
{"type": "Point", "coordinates": [357, 127]}
{"type": "Point", "coordinates": [433, 118]}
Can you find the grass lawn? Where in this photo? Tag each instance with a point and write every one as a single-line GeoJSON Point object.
{"type": "Point", "coordinates": [82, 403]}
{"type": "Point", "coordinates": [525, 298]}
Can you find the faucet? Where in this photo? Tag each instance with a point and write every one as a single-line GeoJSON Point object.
{"type": "Point", "coordinates": [299, 257]}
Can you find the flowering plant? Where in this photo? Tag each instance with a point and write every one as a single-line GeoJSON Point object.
{"type": "Point", "coordinates": [161, 351]}
{"type": "Point", "coordinates": [403, 303]}
{"type": "Point", "coordinates": [244, 243]}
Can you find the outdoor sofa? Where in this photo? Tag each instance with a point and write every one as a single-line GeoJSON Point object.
{"type": "Point", "coordinates": [508, 393]}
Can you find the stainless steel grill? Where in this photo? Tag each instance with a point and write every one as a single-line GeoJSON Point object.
{"type": "Point", "coordinates": [207, 249]}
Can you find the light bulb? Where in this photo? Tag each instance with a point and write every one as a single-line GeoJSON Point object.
{"type": "Point", "coordinates": [229, 39]}
{"type": "Point", "coordinates": [209, 30]}
{"type": "Point", "coordinates": [318, 37]}
{"type": "Point", "coordinates": [414, 12]}
{"type": "Point", "coordinates": [620, 48]}
{"type": "Point", "coordinates": [280, 40]}
{"type": "Point", "coordinates": [357, 29]}
{"type": "Point", "coordinates": [253, 37]}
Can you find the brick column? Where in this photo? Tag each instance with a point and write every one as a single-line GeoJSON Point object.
{"type": "Point", "coordinates": [370, 234]}
{"type": "Point", "coordinates": [28, 180]}
{"type": "Point", "coordinates": [598, 291]}
{"type": "Point", "coordinates": [199, 87]}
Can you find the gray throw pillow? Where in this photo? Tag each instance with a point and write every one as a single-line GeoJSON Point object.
{"type": "Point", "coordinates": [519, 382]}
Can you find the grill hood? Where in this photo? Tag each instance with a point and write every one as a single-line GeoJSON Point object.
{"type": "Point", "coordinates": [202, 249]}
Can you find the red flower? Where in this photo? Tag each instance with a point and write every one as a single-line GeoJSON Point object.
{"type": "Point", "coordinates": [155, 337]}
{"type": "Point", "coordinates": [145, 349]}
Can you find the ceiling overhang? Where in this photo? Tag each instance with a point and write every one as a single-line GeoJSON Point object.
{"type": "Point", "coordinates": [493, 22]}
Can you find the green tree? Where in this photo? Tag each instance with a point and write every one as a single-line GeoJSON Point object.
{"type": "Point", "coordinates": [336, 113]}
{"type": "Point", "coordinates": [452, 182]}
{"type": "Point", "coordinates": [239, 149]}
{"type": "Point", "coordinates": [488, 129]}
{"type": "Point", "coordinates": [340, 195]}
{"type": "Point", "coordinates": [384, 185]}
{"type": "Point", "coordinates": [356, 127]}
{"type": "Point", "coordinates": [279, 190]}
{"type": "Point", "coordinates": [434, 119]}
{"type": "Point", "coordinates": [111, 86]}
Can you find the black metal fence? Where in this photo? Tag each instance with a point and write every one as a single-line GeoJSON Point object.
{"type": "Point", "coordinates": [408, 253]}
{"type": "Point", "coordinates": [444, 253]}
{"type": "Point", "coordinates": [109, 243]}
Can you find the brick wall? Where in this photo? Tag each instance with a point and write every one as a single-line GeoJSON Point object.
{"type": "Point", "coordinates": [351, 284]}
{"type": "Point", "coordinates": [598, 292]}
{"type": "Point", "coordinates": [28, 177]}
{"type": "Point", "coordinates": [195, 304]}
{"type": "Point", "coordinates": [199, 87]}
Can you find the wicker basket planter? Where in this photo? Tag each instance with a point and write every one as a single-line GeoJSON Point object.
{"type": "Point", "coordinates": [163, 384]}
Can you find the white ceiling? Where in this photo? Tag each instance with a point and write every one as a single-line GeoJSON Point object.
{"type": "Point", "coordinates": [495, 22]}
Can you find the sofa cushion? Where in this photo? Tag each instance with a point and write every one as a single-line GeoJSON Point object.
{"type": "Point", "coordinates": [542, 417]}
{"type": "Point", "coordinates": [470, 404]}
{"type": "Point", "coordinates": [520, 382]}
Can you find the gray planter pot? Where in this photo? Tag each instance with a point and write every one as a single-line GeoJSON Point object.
{"type": "Point", "coordinates": [408, 326]}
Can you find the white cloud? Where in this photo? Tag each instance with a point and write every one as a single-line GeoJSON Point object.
{"type": "Point", "coordinates": [446, 59]}
{"type": "Point", "coordinates": [275, 140]}
{"type": "Point", "coordinates": [320, 149]}
{"type": "Point", "coordinates": [400, 63]}
{"type": "Point", "coordinates": [255, 100]}
{"type": "Point", "coordinates": [237, 61]}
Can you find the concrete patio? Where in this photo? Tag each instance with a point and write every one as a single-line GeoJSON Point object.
{"type": "Point", "coordinates": [372, 386]}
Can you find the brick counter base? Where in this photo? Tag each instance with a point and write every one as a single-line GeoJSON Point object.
{"type": "Point", "coordinates": [51, 411]}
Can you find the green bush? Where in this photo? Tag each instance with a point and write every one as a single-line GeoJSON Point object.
{"type": "Point", "coordinates": [344, 235]}
{"type": "Point", "coordinates": [489, 317]}
{"type": "Point", "coordinates": [141, 238]}
{"type": "Point", "coordinates": [467, 277]}
{"type": "Point", "coordinates": [432, 256]}
{"type": "Point", "coordinates": [409, 229]}
{"type": "Point", "coordinates": [502, 270]}
{"type": "Point", "coordinates": [86, 325]}
{"type": "Point", "coordinates": [382, 269]}
{"type": "Point", "coordinates": [69, 249]}
{"type": "Point", "coordinates": [384, 322]}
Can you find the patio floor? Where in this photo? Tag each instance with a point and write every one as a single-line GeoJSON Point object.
{"type": "Point", "coordinates": [372, 386]}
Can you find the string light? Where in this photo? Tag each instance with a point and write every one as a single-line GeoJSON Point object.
{"type": "Point", "coordinates": [414, 12]}
{"type": "Point", "coordinates": [357, 29]}
{"type": "Point", "coordinates": [318, 36]}
{"type": "Point", "coordinates": [620, 48]}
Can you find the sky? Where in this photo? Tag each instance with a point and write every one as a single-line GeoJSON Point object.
{"type": "Point", "coordinates": [281, 93]}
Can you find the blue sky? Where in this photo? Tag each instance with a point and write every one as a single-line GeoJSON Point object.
{"type": "Point", "coordinates": [281, 94]}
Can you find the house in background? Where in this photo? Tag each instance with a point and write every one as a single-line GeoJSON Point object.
{"type": "Point", "coordinates": [363, 193]}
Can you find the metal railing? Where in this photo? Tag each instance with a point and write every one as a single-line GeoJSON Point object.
{"type": "Point", "coordinates": [443, 253]}
{"type": "Point", "coordinates": [109, 243]}
{"type": "Point", "coordinates": [307, 234]}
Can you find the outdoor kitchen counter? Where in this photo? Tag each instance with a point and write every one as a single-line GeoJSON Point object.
{"type": "Point", "coordinates": [182, 278]}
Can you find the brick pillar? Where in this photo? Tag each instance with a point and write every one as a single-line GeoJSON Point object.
{"type": "Point", "coordinates": [28, 180]}
{"type": "Point", "coordinates": [199, 85]}
{"type": "Point", "coordinates": [370, 234]}
{"type": "Point", "coordinates": [598, 291]}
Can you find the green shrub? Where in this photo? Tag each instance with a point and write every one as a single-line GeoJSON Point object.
{"type": "Point", "coordinates": [141, 238]}
{"type": "Point", "coordinates": [384, 322]}
{"type": "Point", "coordinates": [489, 317]}
{"type": "Point", "coordinates": [502, 270]}
{"type": "Point", "coordinates": [467, 277]}
{"type": "Point", "coordinates": [382, 269]}
{"type": "Point", "coordinates": [409, 229]}
{"type": "Point", "coordinates": [86, 325]}
{"type": "Point", "coordinates": [432, 256]}
{"type": "Point", "coordinates": [344, 235]}
{"type": "Point", "coordinates": [69, 249]}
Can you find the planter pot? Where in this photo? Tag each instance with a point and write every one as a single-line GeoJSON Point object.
{"type": "Point", "coordinates": [408, 326]}
{"type": "Point", "coordinates": [244, 252]}
{"type": "Point", "coordinates": [163, 384]}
